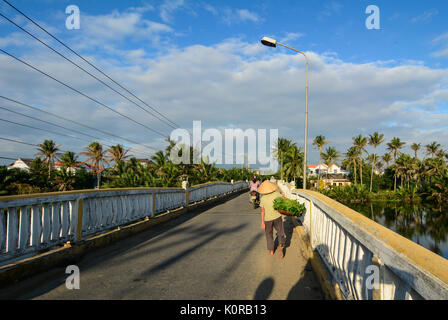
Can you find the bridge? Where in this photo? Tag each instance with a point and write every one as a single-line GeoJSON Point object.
{"type": "Point", "coordinates": [203, 243]}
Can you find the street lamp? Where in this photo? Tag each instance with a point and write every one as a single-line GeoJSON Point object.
{"type": "Point", "coordinates": [273, 43]}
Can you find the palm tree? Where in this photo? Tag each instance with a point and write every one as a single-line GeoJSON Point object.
{"type": "Point", "coordinates": [330, 156]}
{"type": "Point", "coordinates": [64, 180]}
{"type": "Point", "coordinates": [293, 162]}
{"type": "Point", "coordinates": [431, 149]}
{"type": "Point", "coordinates": [69, 160]}
{"type": "Point", "coordinates": [386, 159]}
{"type": "Point", "coordinates": [282, 147]}
{"type": "Point", "coordinates": [440, 154]}
{"type": "Point", "coordinates": [360, 143]}
{"type": "Point", "coordinates": [158, 161]}
{"type": "Point", "coordinates": [49, 151]}
{"type": "Point", "coordinates": [352, 155]}
{"type": "Point", "coordinates": [374, 140]}
{"type": "Point", "coordinates": [117, 153]}
{"type": "Point", "coordinates": [95, 154]}
{"type": "Point", "coordinates": [394, 146]}
{"type": "Point", "coordinates": [416, 147]}
{"type": "Point", "coordinates": [319, 142]}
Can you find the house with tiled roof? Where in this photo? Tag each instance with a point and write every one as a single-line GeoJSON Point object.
{"type": "Point", "coordinates": [59, 165]}
{"type": "Point", "coordinates": [21, 163]}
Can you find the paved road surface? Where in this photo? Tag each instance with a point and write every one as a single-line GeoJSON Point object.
{"type": "Point", "coordinates": [219, 253]}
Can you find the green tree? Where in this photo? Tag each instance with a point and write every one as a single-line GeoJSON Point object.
{"type": "Point", "coordinates": [352, 155]}
{"type": "Point", "coordinates": [117, 153]}
{"type": "Point", "coordinates": [416, 147]}
{"type": "Point", "coordinates": [375, 140]}
{"type": "Point", "coordinates": [69, 160]}
{"type": "Point", "coordinates": [49, 151]}
{"type": "Point", "coordinates": [432, 148]}
{"type": "Point", "coordinates": [360, 144]}
{"type": "Point", "coordinates": [320, 142]}
{"type": "Point", "coordinates": [330, 156]}
{"type": "Point", "coordinates": [96, 156]}
{"type": "Point", "coordinates": [293, 162]}
{"type": "Point", "coordinates": [283, 145]}
{"type": "Point", "coordinates": [394, 146]}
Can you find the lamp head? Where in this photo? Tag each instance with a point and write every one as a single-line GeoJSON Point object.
{"type": "Point", "coordinates": [269, 42]}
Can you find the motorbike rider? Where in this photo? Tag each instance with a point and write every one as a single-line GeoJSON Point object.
{"type": "Point", "coordinates": [254, 184]}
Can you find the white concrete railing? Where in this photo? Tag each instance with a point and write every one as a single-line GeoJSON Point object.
{"type": "Point", "coordinates": [35, 222]}
{"type": "Point", "coordinates": [354, 247]}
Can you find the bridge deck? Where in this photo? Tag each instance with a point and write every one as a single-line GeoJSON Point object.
{"type": "Point", "coordinates": [217, 254]}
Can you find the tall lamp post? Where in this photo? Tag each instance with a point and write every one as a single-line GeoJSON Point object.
{"type": "Point", "coordinates": [273, 43]}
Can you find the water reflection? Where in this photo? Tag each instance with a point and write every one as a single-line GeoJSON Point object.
{"type": "Point", "coordinates": [424, 224]}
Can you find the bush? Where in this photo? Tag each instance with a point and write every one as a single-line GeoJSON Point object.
{"type": "Point", "coordinates": [292, 206]}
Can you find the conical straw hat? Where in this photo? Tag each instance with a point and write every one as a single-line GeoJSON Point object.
{"type": "Point", "coordinates": [267, 187]}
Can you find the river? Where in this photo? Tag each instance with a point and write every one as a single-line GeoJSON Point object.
{"type": "Point", "coordinates": [423, 224]}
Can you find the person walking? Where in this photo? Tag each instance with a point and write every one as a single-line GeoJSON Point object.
{"type": "Point", "coordinates": [271, 218]}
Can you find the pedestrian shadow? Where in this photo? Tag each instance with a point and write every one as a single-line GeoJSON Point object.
{"type": "Point", "coordinates": [355, 275]}
{"type": "Point", "coordinates": [264, 289]}
{"type": "Point", "coordinates": [288, 228]}
{"type": "Point", "coordinates": [306, 288]}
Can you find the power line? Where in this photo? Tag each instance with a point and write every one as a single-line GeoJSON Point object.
{"type": "Point", "coordinates": [17, 141]}
{"type": "Point", "coordinates": [81, 93]}
{"type": "Point", "coordinates": [56, 125]}
{"type": "Point", "coordinates": [81, 68]}
{"type": "Point", "coordinates": [75, 122]}
{"type": "Point", "coordinates": [6, 158]}
{"type": "Point", "coordinates": [92, 65]}
{"type": "Point", "coordinates": [28, 126]}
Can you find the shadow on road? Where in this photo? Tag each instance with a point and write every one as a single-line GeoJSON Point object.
{"type": "Point", "coordinates": [55, 277]}
{"type": "Point", "coordinates": [264, 290]}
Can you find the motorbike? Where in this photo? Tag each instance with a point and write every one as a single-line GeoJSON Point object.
{"type": "Point", "coordinates": [255, 199]}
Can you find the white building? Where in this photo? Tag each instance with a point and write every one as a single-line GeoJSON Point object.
{"type": "Point", "coordinates": [314, 169]}
{"type": "Point", "coordinates": [21, 163]}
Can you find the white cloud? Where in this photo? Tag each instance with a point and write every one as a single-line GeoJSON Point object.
{"type": "Point", "coordinates": [330, 8]}
{"type": "Point", "coordinates": [291, 36]}
{"type": "Point", "coordinates": [441, 53]}
{"type": "Point", "coordinates": [244, 85]}
{"type": "Point", "coordinates": [425, 16]}
{"type": "Point", "coordinates": [104, 30]}
{"type": "Point", "coordinates": [168, 7]}
{"type": "Point", "coordinates": [442, 37]}
{"type": "Point", "coordinates": [246, 15]}
{"type": "Point", "coordinates": [231, 16]}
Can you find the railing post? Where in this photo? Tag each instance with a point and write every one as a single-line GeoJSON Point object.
{"type": "Point", "coordinates": [153, 204]}
{"type": "Point", "coordinates": [376, 293]}
{"type": "Point", "coordinates": [311, 226]}
{"type": "Point", "coordinates": [80, 217]}
{"type": "Point", "coordinates": [187, 193]}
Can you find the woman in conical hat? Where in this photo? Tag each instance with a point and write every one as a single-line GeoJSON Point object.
{"type": "Point", "coordinates": [270, 218]}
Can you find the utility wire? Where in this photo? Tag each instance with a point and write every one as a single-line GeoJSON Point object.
{"type": "Point", "coordinates": [92, 65]}
{"type": "Point", "coordinates": [75, 122]}
{"type": "Point", "coordinates": [17, 141]}
{"type": "Point", "coordinates": [7, 158]}
{"type": "Point", "coordinates": [53, 132]}
{"type": "Point", "coordinates": [56, 125]}
{"type": "Point", "coordinates": [81, 68]}
{"type": "Point", "coordinates": [81, 93]}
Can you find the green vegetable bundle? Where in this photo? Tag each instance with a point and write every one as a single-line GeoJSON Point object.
{"type": "Point", "coordinates": [291, 206]}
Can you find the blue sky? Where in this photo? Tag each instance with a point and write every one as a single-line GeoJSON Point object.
{"type": "Point", "coordinates": [202, 60]}
{"type": "Point", "coordinates": [408, 28]}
